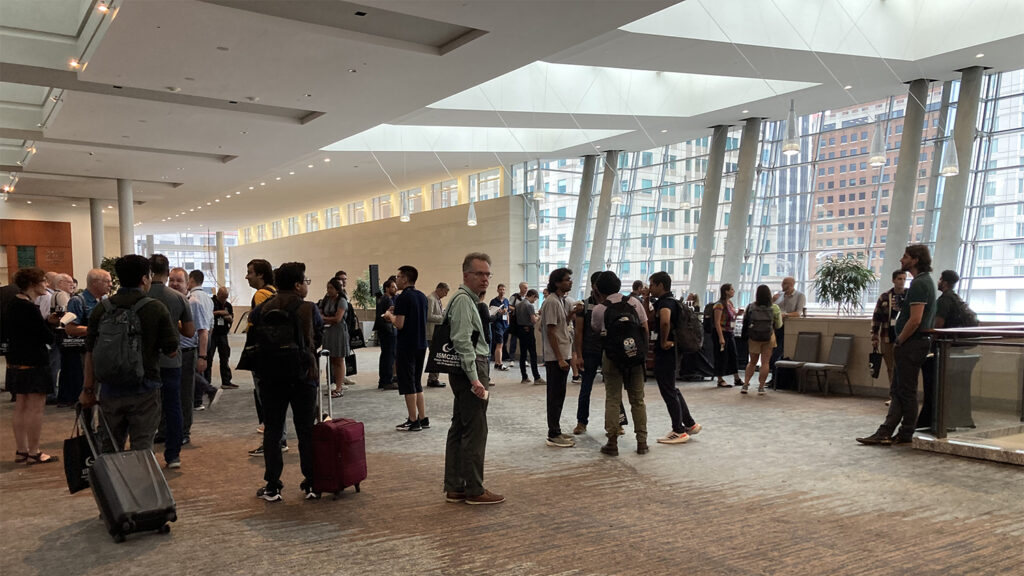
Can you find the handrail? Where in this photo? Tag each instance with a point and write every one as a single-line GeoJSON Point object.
{"type": "Point", "coordinates": [244, 318]}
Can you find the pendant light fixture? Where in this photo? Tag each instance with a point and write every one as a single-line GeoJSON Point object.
{"type": "Point", "coordinates": [531, 223]}
{"type": "Point", "coordinates": [404, 214]}
{"type": "Point", "coordinates": [616, 188]}
{"type": "Point", "coordinates": [538, 182]}
{"type": "Point", "coordinates": [471, 219]}
{"type": "Point", "coordinates": [791, 144]}
{"type": "Point", "coordinates": [877, 156]}
{"type": "Point", "coordinates": [950, 163]}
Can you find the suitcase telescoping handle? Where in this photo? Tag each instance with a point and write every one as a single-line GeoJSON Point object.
{"type": "Point", "coordinates": [84, 417]}
{"type": "Point", "coordinates": [326, 355]}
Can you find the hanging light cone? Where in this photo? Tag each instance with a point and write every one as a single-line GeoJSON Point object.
{"type": "Point", "coordinates": [538, 182]}
{"type": "Point", "coordinates": [791, 145]}
{"type": "Point", "coordinates": [471, 220]}
{"type": "Point", "coordinates": [950, 163]}
{"type": "Point", "coordinates": [877, 156]}
{"type": "Point", "coordinates": [617, 190]}
{"type": "Point", "coordinates": [532, 221]}
{"type": "Point", "coordinates": [404, 215]}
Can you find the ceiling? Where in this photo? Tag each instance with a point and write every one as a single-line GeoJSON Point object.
{"type": "Point", "coordinates": [242, 101]}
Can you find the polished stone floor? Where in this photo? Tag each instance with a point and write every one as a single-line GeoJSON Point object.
{"type": "Point", "coordinates": [773, 485]}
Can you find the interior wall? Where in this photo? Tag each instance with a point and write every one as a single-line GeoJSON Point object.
{"type": "Point", "coordinates": [78, 218]}
{"type": "Point", "coordinates": [435, 242]}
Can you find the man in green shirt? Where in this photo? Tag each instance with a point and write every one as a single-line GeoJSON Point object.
{"type": "Point", "coordinates": [912, 344]}
{"type": "Point", "coordinates": [467, 437]}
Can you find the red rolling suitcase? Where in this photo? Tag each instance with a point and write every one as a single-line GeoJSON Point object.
{"type": "Point", "coordinates": [339, 451]}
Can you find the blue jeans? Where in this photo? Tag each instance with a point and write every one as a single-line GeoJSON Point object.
{"type": "Point", "coordinates": [591, 362]}
{"type": "Point", "coordinates": [170, 395]}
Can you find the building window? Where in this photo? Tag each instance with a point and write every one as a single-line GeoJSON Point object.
{"type": "Point", "coordinates": [276, 230]}
{"type": "Point", "coordinates": [382, 207]}
{"type": "Point", "coordinates": [312, 221]}
{"type": "Point", "coordinates": [332, 217]}
{"type": "Point", "coordinates": [261, 235]}
{"type": "Point", "coordinates": [356, 212]}
{"type": "Point", "coordinates": [293, 225]}
{"type": "Point", "coordinates": [445, 194]}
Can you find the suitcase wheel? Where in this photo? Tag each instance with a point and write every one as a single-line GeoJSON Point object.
{"type": "Point", "coordinates": [127, 527]}
{"type": "Point", "coordinates": [172, 517]}
{"type": "Point", "coordinates": [118, 537]}
{"type": "Point", "coordinates": [165, 529]}
{"type": "Point", "coordinates": [357, 487]}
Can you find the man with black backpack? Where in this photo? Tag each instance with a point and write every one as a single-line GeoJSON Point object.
{"type": "Point", "coordinates": [127, 333]}
{"type": "Point", "coordinates": [666, 315]}
{"type": "Point", "coordinates": [285, 332]}
{"type": "Point", "coordinates": [623, 325]}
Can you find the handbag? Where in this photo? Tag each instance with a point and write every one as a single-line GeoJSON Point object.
{"type": "Point", "coordinates": [442, 357]}
{"type": "Point", "coordinates": [78, 456]}
{"type": "Point", "coordinates": [875, 362]}
{"type": "Point", "coordinates": [350, 365]}
{"type": "Point", "coordinates": [356, 339]}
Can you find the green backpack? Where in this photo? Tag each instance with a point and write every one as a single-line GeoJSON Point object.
{"type": "Point", "coordinates": [117, 354]}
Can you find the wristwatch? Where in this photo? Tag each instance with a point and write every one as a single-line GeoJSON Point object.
{"type": "Point", "coordinates": [201, 357]}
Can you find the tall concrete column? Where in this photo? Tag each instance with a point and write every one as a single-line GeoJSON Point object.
{"type": "Point", "coordinates": [933, 181]}
{"type": "Point", "coordinates": [96, 225]}
{"type": "Point", "coordinates": [581, 224]}
{"type": "Point", "coordinates": [701, 267]}
{"type": "Point", "coordinates": [149, 245]}
{"type": "Point", "coordinates": [221, 270]}
{"type": "Point", "coordinates": [609, 181]}
{"type": "Point", "coordinates": [736, 237]}
{"type": "Point", "coordinates": [954, 192]}
{"type": "Point", "coordinates": [904, 188]}
{"type": "Point", "coordinates": [126, 216]}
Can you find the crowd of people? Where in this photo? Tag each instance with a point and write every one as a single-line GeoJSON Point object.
{"type": "Point", "coordinates": [62, 349]}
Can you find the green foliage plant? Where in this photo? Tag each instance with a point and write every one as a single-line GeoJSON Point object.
{"type": "Point", "coordinates": [842, 282]}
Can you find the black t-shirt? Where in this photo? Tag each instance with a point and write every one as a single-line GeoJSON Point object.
{"type": "Point", "coordinates": [222, 325]}
{"type": "Point", "coordinates": [412, 304]}
{"type": "Point", "coordinates": [383, 303]}
{"type": "Point", "coordinates": [666, 301]}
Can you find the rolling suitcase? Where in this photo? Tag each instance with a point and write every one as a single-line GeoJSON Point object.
{"type": "Point", "coordinates": [130, 490]}
{"type": "Point", "coordinates": [339, 450]}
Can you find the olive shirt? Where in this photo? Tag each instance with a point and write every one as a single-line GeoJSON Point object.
{"type": "Point", "coordinates": [922, 290]}
{"type": "Point", "coordinates": [466, 329]}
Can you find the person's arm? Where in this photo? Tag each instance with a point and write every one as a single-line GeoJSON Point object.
{"type": "Point", "coordinates": [318, 328]}
{"type": "Point", "coordinates": [577, 356]}
{"type": "Point", "coordinates": [435, 312]}
{"type": "Point", "coordinates": [777, 316]}
{"type": "Point", "coordinates": [88, 395]}
{"type": "Point", "coordinates": [913, 323]}
{"type": "Point", "coordinates": [460, 315]}
{"type": "Point", "coordinates": [878, 317]}
{"type": "Point", "coordinates": [718, 325]}
{"type": "Point", "coordinates": [665, 326]}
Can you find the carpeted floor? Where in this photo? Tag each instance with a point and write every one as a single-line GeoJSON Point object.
{"type": "Point", "coordinates": [773, 485]}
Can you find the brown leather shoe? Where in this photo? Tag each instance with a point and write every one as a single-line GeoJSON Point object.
{"type": "Point", "coordinates": [454, 496]}
{"type": "Point", "coordinates": [579, 429]}
{"type": "Point", "coordinates": [641, 448]}
{"type": "Point", "coordinates": [611, 448]}
{"type": "Point", "coordinates": [487, 497]}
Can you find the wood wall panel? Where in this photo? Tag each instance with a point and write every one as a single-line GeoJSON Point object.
{"type": "Point", "coordinates": [51, 239]}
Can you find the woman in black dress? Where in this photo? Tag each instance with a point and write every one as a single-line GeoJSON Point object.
{"type": "Point", "coordinates": [29, 361]}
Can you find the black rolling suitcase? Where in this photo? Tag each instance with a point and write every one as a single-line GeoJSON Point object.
{"type": "Point", "coordinates": [130, 490]}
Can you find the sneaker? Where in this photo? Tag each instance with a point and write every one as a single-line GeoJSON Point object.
{"type": "Point", "coordinates": [412, 427]}
{"type": "Point", "coordinates": [693, 430]}
{"type": "Point", "coordinates": [309, 493]}
{"type": "Point", "coordinates": [435, 384]}
{"type": "Point", "coordinates": [454, 497]}
{"type": "Point", "coordinates": [176, 463]}
{"type": "Point", "coordinates": [525, 381]}
{"type": "Point", "coordinates": [349, 381]}
{"type": "Point", "coordinates": [760, 390]}
{"type": "Point", "coordinates": [186, 440]}
{"type": "Point", "coordinates": [737, 382]}
{"type": "Point", "coordinates": [259, 429]}
{"type": "Point", "coordinates": [641, 448]}
{"type": "Point", "coordinates": [876, 439]}
{"type": "Point", "coordinates": [560, 442]}
{"type": "Point", "coordinates": [392, 386]}
{"type": "Point", "coordinates": [487, 497]}
{"type": "Point", "coordinates": [580, 428]}
{"type": "Point", "coordinates": [269, 493]}
{"type": "Point", "coordinates": [404, 426]}
{"type": "Point", "coordinates": [674, 437]}
{"type": "Point", "coordinates": [743, 390]}
{"type": "Point", "coordinates": [577, 378]}
{"type": "Point", "coordinates": [257, 451]}
{"type": "Point", "coordinates": [229, 386]}
{"type": "Point", "coordinates": [425, 423]}
{"type": "Point", "coordinates": [199, 407]}
{"type": "Point", "coordinates": [215, 397]}
{"type": "Point", "coordinates": [284, 448]}
{"type": "Point", "coordinates": [611, 448]}
{"type": "Point", "coordinates": [539, 381]}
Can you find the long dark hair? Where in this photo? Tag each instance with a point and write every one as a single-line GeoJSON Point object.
{"type": "Point", "coordinates": [723, 293]}
{"type": "Point", "coordinates": [763, 295]}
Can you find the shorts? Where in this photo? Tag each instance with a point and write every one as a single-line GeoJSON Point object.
{"type": "Point", "coordinates": [755, 347]}
{"type": "Point", "coordinates": [29, 380]}
{"type": "Point", "coordinates": [409, 365]}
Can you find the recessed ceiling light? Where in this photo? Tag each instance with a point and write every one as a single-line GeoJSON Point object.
{"type": "Point", "coordinates": [208, 203]}
{"type": "Point", "coordinates": [191, 209]}
{"type": "Point", "coordinates": [263, 183]}
{"type": "Point", "coordinates": [199, 207]}
{"type": "Point", "coordinates": [744, 111]}
{"type": "Point", "coordinates": [979, 55]}
{"type": "Point", "coordinates": [252, 187]}
{"type": "Point", "coordinates": [664, 130]}
{"type": "Point", "coordinates": [227, 196]}
{"type": "Point", "coordinates": [217, 200]}
{"type": "Point", "coordinates": [352, 70]}
{"type": "Point", "coordinates": [309, 165]}
{"type": "Point", "coordinates": [597, 146]}
{"type": "Point", "coordinates": [74, 63]}
{"type": "Point", "coordinates": [173, 89]}
{"type": "Point", "coordinates": [848, 87]}
{"type": "Point", "coordinates": [54, 98]}
{"type": "Point", "coordinates": [110, 207]}
{"type": "Point", "coordinates": [103, 211]}
{"type": "Point", "coordinates": [327, 159]}
{"type": "Point", "coordinates": [102, 8]}
{"type": "Point", "coordinates": [237, 192]}
{"type": "Point", "coordinates": [28, 202]}
{"type": "Point", "coordinates": [291, 173]}
{"type": "Point", "coordinates": [278, 178]}
{"type": "Point", "coordinates": [74, 205]}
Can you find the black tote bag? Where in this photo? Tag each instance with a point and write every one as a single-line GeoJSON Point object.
{"type": "Point", "coordinates": [78, 456]}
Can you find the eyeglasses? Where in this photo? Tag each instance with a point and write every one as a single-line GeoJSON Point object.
{"type": "Point", "coordinates": [482, 274]}
{"type": "Point", "coordinates": [308, 281]}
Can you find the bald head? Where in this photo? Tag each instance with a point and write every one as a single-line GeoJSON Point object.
{"type": "Point", "coordinates": [66, 283]}
{"type": "Point", "coordinates": [222, 294]}
{"type": "Point", "coordinates": [98, 282]}
{"type": "Point", "coordinates": [51, 279]}
{"type": "Point", "coordinates": [788, 284]}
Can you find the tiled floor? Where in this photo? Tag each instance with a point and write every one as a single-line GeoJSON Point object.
{"type": "Point", "coordinates": [773, 485]}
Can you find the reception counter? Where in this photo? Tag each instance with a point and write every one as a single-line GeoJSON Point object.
{"type": "Point", "coordinates": [995, 380]}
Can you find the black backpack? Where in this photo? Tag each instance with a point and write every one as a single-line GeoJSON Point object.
{"type": "Point", "coordinates": [688, 329]}
{"type": "Point", "coordinates": [709, 318]}
{"type": "Point", "coordinates": [625, 340]}
{"type": "Point", "coordinates": [963, 316]}
{"type": "Point", "coordinates": [278, 346]}
{"type": "Point", "coordinates": [759, 322]}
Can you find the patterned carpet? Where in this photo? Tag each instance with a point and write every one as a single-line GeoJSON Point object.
{"type": "Point", "coordinates": [773, 485]}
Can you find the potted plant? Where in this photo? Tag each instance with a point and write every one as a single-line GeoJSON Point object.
{"type": "Point", "coordinates": [363, 299]}
{"type": "Point", "coordinates": [842, 282]}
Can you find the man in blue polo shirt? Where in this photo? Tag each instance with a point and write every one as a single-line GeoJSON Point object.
{"type": "Point", "coordinates": [410, 318]}
{"type": "Point", "coordinates": [97, 287]}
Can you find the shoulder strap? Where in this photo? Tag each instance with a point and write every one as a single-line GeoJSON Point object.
{"type": "Point", "coordinates": [142, 302]}
{"type": "Point", "coordinates": [108, 306]}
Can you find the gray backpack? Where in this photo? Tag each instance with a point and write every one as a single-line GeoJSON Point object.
{"type": "Point", "coordinates": [762, 320]}
{"type": "Point", "coordinates": [117, 354]}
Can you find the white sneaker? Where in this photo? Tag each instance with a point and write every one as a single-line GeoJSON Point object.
{"type": "Point", "coordinates": [675, 438]}
{"type": "Point", "coordinates": [695, 429]}
{"type": "Point", "coordinates": [348, 381]}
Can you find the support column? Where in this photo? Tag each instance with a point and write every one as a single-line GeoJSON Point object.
{"type": "Point", "coordinates": [933, 180]}
{"type": "Point", "coordinates": [904, 188]}
{"type": "Point", "coordinates": [604, 210]}
{"type": "Point", "coordinates": [149, 245]}
{"type": "Point", "coordinates": [736, 237]}
{"type": "Point", "coordinates": [954, 191]}
{"type": "Point", "coordinates": [126, 216]}
{"type": "Point", "coordinates": [221, 269]}
{"type": "Point", "coordinates": [708, 214]}
{"type": "Point", "coordinates": [96, 224]}
{"type": "Point", "coordinates": [581, 224]}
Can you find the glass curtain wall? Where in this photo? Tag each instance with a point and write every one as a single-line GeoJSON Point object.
{"type": "Point", "coordinates": [825, 202]}
{"type": "Point", "coordinates": [193, 252]}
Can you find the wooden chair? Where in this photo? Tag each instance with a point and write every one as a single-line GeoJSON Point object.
{"type": "Point", "coordinates": [838, 361]}
{"type": "Point", "coordinates": [807, 344]}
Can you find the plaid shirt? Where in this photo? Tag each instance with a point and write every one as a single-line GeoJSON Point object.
{"type": "Point", "coordinates": [886, 310]}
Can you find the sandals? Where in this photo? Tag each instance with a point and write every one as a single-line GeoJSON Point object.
{"type": "Point", "coordinates": [38, 459]}
{"type": "Point", "coordinates": [722, 384]}
{"type": "Point", "coordinates": [337, 394]}
{"type": "Point", "coordinates": [20, 457]}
